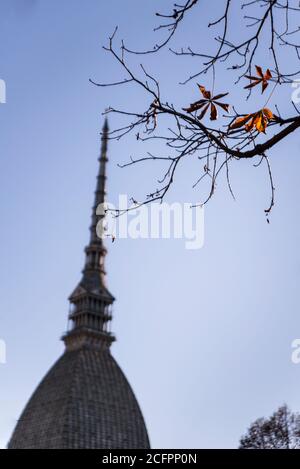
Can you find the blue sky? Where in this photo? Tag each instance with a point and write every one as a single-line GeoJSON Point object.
{"type": "Point", "coordinates": [203, 336]}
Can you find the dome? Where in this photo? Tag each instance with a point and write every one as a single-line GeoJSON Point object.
{"type": "Point", "coordinates": [84, 401]}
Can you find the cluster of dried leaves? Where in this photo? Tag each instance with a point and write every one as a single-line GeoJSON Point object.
{"type": "Point", "coordinates": [257, 120]}
{"type": "Point", "coordinates": [206, 102]}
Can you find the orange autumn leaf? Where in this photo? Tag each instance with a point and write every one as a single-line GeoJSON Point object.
{"type": "Point", "coordinates": [240, 121]}
{"type": "Point", "coordinates": [258, 120]}
{"type": "Point", "coordinates": [262, 78]}
{"type": "Point", "coordinates": [207, 102]}
{"type": "Point", "coordinates": [268, 113]}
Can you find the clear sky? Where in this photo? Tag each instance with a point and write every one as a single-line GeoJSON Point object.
{"type": "Point", "coordinates": [204, 336]}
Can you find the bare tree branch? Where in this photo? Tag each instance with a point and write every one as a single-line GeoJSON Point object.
{"type": "Point", "coordinates": [188, 134]}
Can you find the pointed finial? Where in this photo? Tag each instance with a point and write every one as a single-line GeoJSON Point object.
{"type": "Point", "coordinates": [105, 125]}
{"type": "Point", "coordinates": [103, 157]}
{"type": "Point", "coordinates": [100, 192]}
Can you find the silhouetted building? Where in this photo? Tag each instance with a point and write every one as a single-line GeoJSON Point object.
{"type": "Point", "coordinates": [85, 401]}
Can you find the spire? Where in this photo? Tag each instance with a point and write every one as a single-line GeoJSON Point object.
{"type": "Point", "coordinates": [95, 251]}
{"type": "Point", "coordinates": [100, 192]}
{"type": "Point", "coordinates": [90, 311]}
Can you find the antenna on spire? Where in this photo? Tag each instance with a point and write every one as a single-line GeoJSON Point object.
{"type": "Point", "coordinates": [103, 155]}
{"type": "Point", "coordinates": [100, 192]}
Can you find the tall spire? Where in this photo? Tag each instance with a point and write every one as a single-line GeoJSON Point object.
{"type": "Point", "coordinates": [100, 192]}
{"type": "Point", "coordinates": [90, 311]}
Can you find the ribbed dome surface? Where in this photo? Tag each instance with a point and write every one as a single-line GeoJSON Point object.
{"type": "Point", "coordinates": [84, 401]}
